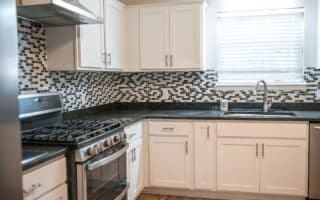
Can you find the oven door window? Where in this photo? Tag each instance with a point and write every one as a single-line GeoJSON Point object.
{"type": "Point", "coordinates": [108, 181]}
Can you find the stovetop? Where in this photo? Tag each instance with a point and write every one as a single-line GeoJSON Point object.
{"type": "Point", "coordinates": [71, 132]}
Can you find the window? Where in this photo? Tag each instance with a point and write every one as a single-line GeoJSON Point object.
{"type": "Point", "coordinates": [256, 45]}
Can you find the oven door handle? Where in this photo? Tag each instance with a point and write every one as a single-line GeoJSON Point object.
{"type": "Point", "coordinates": [104, 161]}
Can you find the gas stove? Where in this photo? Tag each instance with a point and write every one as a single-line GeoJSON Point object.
{"type": "Point", "coordinates": [71, 132]}
{"type": "Point", "coordinates": [96, 146]}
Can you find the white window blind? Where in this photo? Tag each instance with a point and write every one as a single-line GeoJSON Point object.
{"type": "Point", "coordinates": [258, 45]}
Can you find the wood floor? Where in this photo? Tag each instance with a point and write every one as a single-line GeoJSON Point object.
{"type": "Point", "coordinates": [165, 197]}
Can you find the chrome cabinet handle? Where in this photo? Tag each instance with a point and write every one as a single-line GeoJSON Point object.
{"type": "Point", "coordinates": [168, 129]}
{"type": "Point", "coordinates": [263, 150]}
{"type": "Point", "coordinates": [171, 60]}
{"type": "Point", "coordinates": [109, 57]}
{"type": "Point", "coordinates": [33, 188]}
{"type": "Point", "coordinates": [317, 127]}
{"type": "Point", "coordinates": [257, 150]}
{"type": "Point", "coordinates": [104, 58]}
{"type": "Point", "coordinates": [166, 60]}
{"type": "Point", "coordinates": [132, 158]}
{"type": "Point", "coordinates": [208, 133]}
{"type": "Point", "coordinates": [187, 150]}
{"type": "Point", "coordinates": [131, 135]}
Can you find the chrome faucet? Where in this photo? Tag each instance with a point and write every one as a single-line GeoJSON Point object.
{"type": "Point", "coordinates": [266, 103]}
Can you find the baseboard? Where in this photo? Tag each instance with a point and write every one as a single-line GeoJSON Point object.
{"type": "Point", "coordinates": [217, 195]}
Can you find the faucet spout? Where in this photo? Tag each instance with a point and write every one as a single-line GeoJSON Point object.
{"type": "Point", "coordinates": [266, 103]}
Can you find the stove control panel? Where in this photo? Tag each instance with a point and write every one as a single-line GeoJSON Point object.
{"type": "Point", "coordinates": [94, 149]}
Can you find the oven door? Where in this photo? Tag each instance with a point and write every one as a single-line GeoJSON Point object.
{"type": "Point", "coordinates": [105, 176]}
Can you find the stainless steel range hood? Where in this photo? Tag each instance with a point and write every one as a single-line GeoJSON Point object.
{"type": "Point", "coordinates": [57, 12]}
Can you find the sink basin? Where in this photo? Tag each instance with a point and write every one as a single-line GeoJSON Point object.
{"type": "Point", "coordinates": [259, 114]}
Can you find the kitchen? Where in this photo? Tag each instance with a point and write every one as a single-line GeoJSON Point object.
{"type": "Point", "coordinates": [151, 99]}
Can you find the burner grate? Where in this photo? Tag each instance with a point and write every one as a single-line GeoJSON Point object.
{"type": "Point", "coordinates": [74, 131]}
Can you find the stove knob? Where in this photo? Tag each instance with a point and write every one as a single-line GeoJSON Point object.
{"type": "Point", "coordinates": [92, 151]}
{"type": "Point", "coordinates": [123, 136]}
{"type": "Point", "coordinates": [116, 139]}
{"type": "Point", "coordinates": [107, 143]}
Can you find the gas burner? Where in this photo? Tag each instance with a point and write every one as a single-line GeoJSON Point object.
{"type": "Point", "coordinates": [72, 131]}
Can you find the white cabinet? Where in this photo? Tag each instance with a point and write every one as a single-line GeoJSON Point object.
{"type": "Point", "coordinates": [36, 182]}
{"type": "Point", "coordinates": [171, 37]}
{"type": "Point", "coordinates": [250, 160]}
{"type": "Point", "coordinates": [135, 160]}
{"type": "Point", "coordinates": [185, 37]}
{"type": "Point", "coordinates": [114, 34]}
{"type": "Point", "coordinates": [135, 170]}
{"type": "Point", "coordinates": [237, 165]}
{"type": "Point", "coordinates": [154, 38]}
{"type": "Point", "coordinates": [78, 47]}
{"type": "Point", "coordinates": [93, 47]}
{"type": "Point", "coordinates": [283, 167]}
{"type": "Point", "coordinates": [91, 39]}
{"type": "Point", "coordinates": [205, 155]}
{"type": "Point", "coordinates": [170, 161]}
{"type": "Point", "coordinates": [60, 193]}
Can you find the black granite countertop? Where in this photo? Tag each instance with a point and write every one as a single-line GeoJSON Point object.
{"type": "Point", "coordinates": [33, 155]}
{"type": "Point", "coordinates": [135, 111]}
{"type": "Point", "coordinates": [132, 112]}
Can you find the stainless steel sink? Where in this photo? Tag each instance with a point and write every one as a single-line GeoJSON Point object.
{"type": "Point", "coordinates": [259, 114]}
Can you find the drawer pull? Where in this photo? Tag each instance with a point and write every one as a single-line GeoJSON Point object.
{"type": "Point", "coordinates": [168, 129]}
{"type": "Point", "coordinates": [317, 127]}
{"type": "Point", "coordinates": [208, 133]}
{"type": "Point", "coordinates": [257, 150]}
{"type": "Point", "coordinates": [187, 150]}
{"type": "Point", "coordinates": [33, 188]}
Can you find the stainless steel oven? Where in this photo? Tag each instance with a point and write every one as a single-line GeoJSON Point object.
{"type": "Point", "coordinates": [104, 177]}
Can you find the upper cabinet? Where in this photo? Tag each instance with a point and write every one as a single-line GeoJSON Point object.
{"type": "Point", "coordinates": [171, 37]}
{"type": "Point", "coordinates": [96, 47]}
{"type": "Point", "coordinates": [154, 38]}
{"type": "Point", "coordinates": [114, 30]}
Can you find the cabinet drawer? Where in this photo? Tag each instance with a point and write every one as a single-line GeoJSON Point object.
{"type": "Point", "coordinates": [60, 193]}
{"type": "Point", "coordinates": [44, 179]}
{"type": "Point", "coordinates": [176, 128]}
{"type": "Point", "coordinates": [133, 131]}
{"type": "Point", "coordinates": [263, 129]}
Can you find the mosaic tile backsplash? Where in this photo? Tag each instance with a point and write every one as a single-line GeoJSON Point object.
{"type": "Point", "coordinates": [106, 87]}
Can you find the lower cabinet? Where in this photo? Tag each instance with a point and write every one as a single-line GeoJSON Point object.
{"type": "Point", "coordinates": [237, 165]}
{"type": "Point", "coordinates": [46, 182]}
{"type": "Point", "coordinates": [283, 167]}
{"type": "Point", "coordinates": [205, 155]}
{"type": "Point", "coordinates": [268, 166]}
{"type": "Point", "coordinates": [170, 161]}
{"type": "Point", "coordinates": [60, 193]}
{"type": "Point", "coordinates": [135, 169]}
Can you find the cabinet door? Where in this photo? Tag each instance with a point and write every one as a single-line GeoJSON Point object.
{"type": "Point", "coordinates": [129, 175]}
{"type": "Point", "coordinates": [114, 30]}
{"type": "Point", "coordinates": [60, 193]}
{"type": "Point", "coordinates": [205, 155]}
{"type": "Point", "coordinates": [237, 165]}
{"type": "Point", "coordinates": [154, 38]}
{"type": "Point", "coordinates": [185, 36]}
{"type": "Point", "coordinates": [283, 167]}
{"type": "Point", "coordinates": [170, 162]}
{"type": "Point", "coordinates": [136, 170]}
{"type": "Point", "coordinates": [91, 47]}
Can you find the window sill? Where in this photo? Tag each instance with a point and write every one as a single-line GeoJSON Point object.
{"type": "Point", "coordinates": [251, 86]}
